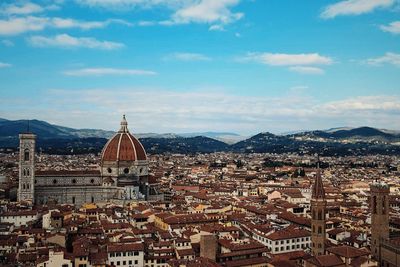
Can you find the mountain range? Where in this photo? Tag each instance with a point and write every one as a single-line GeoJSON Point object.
{"type": "Point", "coordinates": [337, 141]}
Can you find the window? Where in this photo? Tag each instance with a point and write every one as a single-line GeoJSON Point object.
{"type": "Point", "coordinates": [126, 170]}
{"type": "Point", "coordinates": [26, 155]}
{"type": "Point", "coordinates": [92, 199]}
{"type": "Point", "coordinates": [74, 181]}
{"type": "Point", "coordinates": [73, 200]}
{"type": "Point", "coordinates": [384, 205]}
{"type": "Point", "coordinates": [319, 230]}
{"type": "Point", "coordinates": [54, 181]}
{"type": "Point", "coordinates": [319, 215]}
{"type": "Point", "coordinates": [136, 253]}
{"type": "Point", "coordinates": [92, 181]}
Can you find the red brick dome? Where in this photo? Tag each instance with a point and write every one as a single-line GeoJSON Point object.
{"type": "Point", "coordinates": [123, 146]}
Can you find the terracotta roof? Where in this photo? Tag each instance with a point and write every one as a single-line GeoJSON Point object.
{"type": "Point", "coordinates": [123, 146]}
{"type": "Point", "coordinates": [288, 233]}
{"type": "Point", "coordinates": [327, 261]}
{"type": "Point", "coordinates": [123, 247]}
{"type": "Point", "coordinates": [347, 251]}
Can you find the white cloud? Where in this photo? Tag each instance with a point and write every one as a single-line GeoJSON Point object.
{"type": "Point", "coordinates": [207, 109]}
{"type": "Point", "coordinates": [187, 57]}
{"type": "Point", "coordinates": [21, 9]}
{"type": "Point", "coordinates": [218, 13]}
{"type": "Point", "coordinates": [107, 71]}
{"type": "Point", "coordinates": [179, 111]}
{"type": "Point", "coordinates": [388, 58]}
{"type": "Point", "coordinates": [68, 41]}
{"type": "Point", "coordinates": [14, 26]}
{"type": "Point", "coordinates": [4, 65]}
{"type": "Point", "coordinates": [132, 4]}
{"type": "Point", "coordinates": [363, 103]}
{"type": "Point", "coordinates": [393, 27]}
{"type": "Point", "coordinates": [208, 11]}
{"type": "Point", "coordinates": [278, 59]}
{"type": "Point", "coordinates": [216, 27]}
{"type": "Point", "coordinates": [354, 7]}
{"type": "Point", "coordinates": [307, 70]}
{"type": "Point", "coordinates": [18, 25]}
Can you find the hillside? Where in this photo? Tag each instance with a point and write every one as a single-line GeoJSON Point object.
{"type": "Point", "coordinates": [340, 141]}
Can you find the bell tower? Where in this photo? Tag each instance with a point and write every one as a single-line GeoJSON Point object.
{"type": "Point", "coordinates": [26, 188]}
{"type": "Point", "coordinates": [318, 213]}
{"type": "Point", "coordinates": [379, 216]}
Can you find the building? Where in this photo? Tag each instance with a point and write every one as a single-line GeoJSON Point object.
{"type": "Point", "coordinates": [318, 213]}
{"type": "Point", "coordinates": [127, 255]}
{"type": "Point", "coordinates": [379, 216]}
{"type": "Point", "coordinates": [123, 174]}
{"type": "Point", "coordinates": [287, 240]}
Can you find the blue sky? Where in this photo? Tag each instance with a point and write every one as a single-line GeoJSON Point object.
{"type": "Point", "coordinates": [202, 65]}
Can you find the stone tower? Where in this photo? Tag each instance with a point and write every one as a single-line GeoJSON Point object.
{"type": "Point", "coordinates": [318, 209]}
{"type": "Point", "coordinates": [26, 188]}
{"type": "Point", "coordinates": [208, 247]}
{"type": "Point", "coordinates": [379, 216]}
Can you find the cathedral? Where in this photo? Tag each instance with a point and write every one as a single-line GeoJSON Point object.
{"type": "Point", "coordinates": [123, 174]}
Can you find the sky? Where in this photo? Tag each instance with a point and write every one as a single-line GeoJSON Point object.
{"type": "Point", "coordinates": [243, 66]}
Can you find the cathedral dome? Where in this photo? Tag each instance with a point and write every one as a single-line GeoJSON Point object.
{"type": "Point", "coordinates": [123, 146]}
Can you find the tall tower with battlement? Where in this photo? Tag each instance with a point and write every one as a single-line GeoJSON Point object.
{"type": "Point", "coordinates": [318, 216]}
{"type": "Point", "coordinates": [26, 188]}
{"type": "Point", "coordinates": [379, 216]}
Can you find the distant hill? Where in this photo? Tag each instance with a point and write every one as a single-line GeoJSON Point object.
{"type": "Point", "coordinates": [337, 141]}
{"type": "Point", "coordinates": [366, 134]}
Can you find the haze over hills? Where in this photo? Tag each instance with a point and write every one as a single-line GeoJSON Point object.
{"type": "Point", "coordinates": [337, 141]}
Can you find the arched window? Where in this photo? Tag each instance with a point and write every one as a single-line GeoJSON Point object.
{"type": "Point", "coordinates": [320, 215]}
{"type": "Point", "coordinates": [27, 186]}
{"type": "Point", "coordinates": [73, 200]}
{"type": "Point", "coordinates": [26, 155]}
{"type": "Point", "coordinates": [92, 199]}
{"type": "Point", "coordinates": [24, 172]}
{"type": "Point", "coordinates": [27, 172]}
{"type": "Point", "coordinates": [23, 186]}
